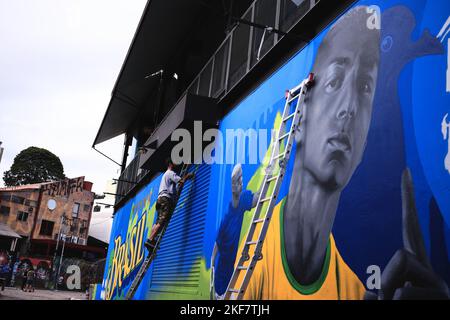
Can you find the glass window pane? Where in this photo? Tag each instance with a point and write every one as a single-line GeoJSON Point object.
{"type": "Point", "coordinates": [265, 12]}
{"type": "Point", "coordinates": [219, 73]}
{"type": "Point", "coordinates": [75, 209]}
{"type": "Point", "coordinates": [4, 210]}
{"type": "Point", "coordinates": [5, 197]}
{"type": "Point", "coordinates": [193, 88]}
{"type": "Point", "coordinates": [205, 80]}
{"type": "Point", "coordinates": [239, 52]}
{"type": "Point", "coordinates": [292, 11]}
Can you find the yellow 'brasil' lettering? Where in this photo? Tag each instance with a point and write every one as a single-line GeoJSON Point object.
{"type": "Point", "coordinates": [127, 255]}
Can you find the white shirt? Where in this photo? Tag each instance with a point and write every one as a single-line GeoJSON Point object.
{"type": "Point", "coordinates": [168, 186]}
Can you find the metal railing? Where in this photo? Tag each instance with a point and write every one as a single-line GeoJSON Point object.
{"type": "Point", "coordinates": [129, 178]}
{"type": "Point", "coordinates": [241, 50]}
{"type": "Point", "coordinates": [246, 44]}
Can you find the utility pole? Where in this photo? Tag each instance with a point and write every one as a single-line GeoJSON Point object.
{"type": "Point", "coordinates": [1, 151]}
{"type": "Point", "coordinates": [60, 261]}
{"type": "Point", "coordinates": [56, 250]}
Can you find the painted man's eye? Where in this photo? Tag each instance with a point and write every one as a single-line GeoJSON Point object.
{"type": "Point", "coordinates": [333, 85]}
{"type": "Point", "coordinates": [365, 87]}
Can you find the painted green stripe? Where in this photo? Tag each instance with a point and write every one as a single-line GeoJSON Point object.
{"type": "Point", "coordinates": [303, 289]}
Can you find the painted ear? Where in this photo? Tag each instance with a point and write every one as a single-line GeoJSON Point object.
{"type": "Point", "coordinates": [412, 235]}
{"type": "Point", "coordinates": [300, 130]}
{"type": "Point", "coordinates": [445, 126]}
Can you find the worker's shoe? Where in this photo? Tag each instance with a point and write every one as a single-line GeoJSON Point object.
{"type": "Point", "coordinates": [150, 244]}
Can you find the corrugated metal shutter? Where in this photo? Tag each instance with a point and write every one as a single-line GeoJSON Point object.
{"type": "Point", "coordinates": [177, 265]}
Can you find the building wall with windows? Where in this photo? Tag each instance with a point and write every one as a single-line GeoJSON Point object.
{"type": "Point", "coordinates": [18, 208]}
{"type": "Point", "coordinates": [72, 201]}
{"type": "Point", "coordinates": [37, 211]}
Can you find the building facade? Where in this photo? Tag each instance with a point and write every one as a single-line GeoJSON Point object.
{"type": "Point", "coordinates": [365, 191]}
{"type": "Point", "coordinates": [19, 207]}
{"type": "Point", "coordinates": [40, 213]}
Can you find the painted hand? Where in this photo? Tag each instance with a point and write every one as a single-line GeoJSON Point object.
{"type": "Point", "coordinates": [409, 274]}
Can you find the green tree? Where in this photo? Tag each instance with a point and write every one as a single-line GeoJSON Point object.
{"type": "Point", "coordinates": [34, 165]}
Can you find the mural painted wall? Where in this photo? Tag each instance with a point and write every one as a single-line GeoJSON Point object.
{"type": "Point", "coordinates": [126, 252]}
{"type": "Point", "coordinates": [367, 184]}
{"type": "Point", "coordinates": [366, 188]}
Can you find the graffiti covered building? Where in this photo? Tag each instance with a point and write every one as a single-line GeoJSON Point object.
{"type": "Point", "coordinates": [41, 212]}
{"type": "Point", "coordinates": [363, 210]}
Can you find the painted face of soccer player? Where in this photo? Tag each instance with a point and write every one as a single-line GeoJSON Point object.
{"type": "Point", "coordinates": [236, 181]}
{"type": "Point", "coordinates": [339, 106]}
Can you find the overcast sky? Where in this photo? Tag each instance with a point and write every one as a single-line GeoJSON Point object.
{"type": "Point", "coordinates": [58, 64]}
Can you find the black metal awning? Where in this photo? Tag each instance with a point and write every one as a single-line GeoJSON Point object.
{"type": "Point", "coordinates": [175, 36]}
{"type": "Point", "coordinates": [159, 35]}
{"type": "Point", "coordinates": [189, 109]}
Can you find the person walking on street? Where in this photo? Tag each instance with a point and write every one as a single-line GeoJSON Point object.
{"type": "Point", "coordinates": [30, 280]}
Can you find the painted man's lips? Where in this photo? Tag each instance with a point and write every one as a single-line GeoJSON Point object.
{"type": "Point", "coordinates": [340, 141]}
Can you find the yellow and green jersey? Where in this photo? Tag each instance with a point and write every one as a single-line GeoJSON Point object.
{"type": "Point", "coordinates": [272, 279]}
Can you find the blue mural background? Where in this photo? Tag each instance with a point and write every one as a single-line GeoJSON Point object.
{"type": "Point", "coordinates": [133, 210]}
{"type": "Point", "coordinates": [409, 105]}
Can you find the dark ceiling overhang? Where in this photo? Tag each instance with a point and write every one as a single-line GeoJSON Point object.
{"type": "Point", "coordinates": [189, 109]}
{"type": "Point", "coordinates": [177, 36]}
{"type": "Point", "coordinates": [162, 28]}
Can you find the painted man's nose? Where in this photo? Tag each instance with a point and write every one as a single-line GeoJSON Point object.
{"type": "Point", "coordinates": [345, 113]}
{"type": "Point", "coordinates": [347, 107]}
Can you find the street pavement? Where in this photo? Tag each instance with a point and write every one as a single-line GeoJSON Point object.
{"type": "Point", "coordinates": [17, 294]}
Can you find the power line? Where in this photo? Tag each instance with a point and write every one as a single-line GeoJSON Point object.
{"type": "Point", "coordinates": [103, 221]}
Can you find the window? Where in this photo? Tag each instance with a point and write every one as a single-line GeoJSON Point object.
{"type": "Point", "coordinates": [264, 15]}
{"type": "Point", "coordinates": [17, 199]}
{"type": "Point", "coordinates": [86, 208]}
{"type": "Point", "coordinates": [220, 66]}
{"type": "Point", "coordinates": [31, 203]}
{"type": "Point", "coordinates": [5, 197]}
{"type": "Point", "coordinates": [46, 228]}
{"type": "Point", "coordinates": [205, 80]}
{"type": "Point", "coordinates": [239, 51]}
{"type": "Point", "coordinates": [4, 210]}
{"type": "Point", "coordinates": [75, 210]}
{"type": "Point", "coordinates": [83, 227]}
{"type": "Point", "coordinates": [74, 225]}
{"type": "Point", "coordinates": [292, 11]}
{"type": "Point", "coordinates": [84, 223]}
{"type": "Point", "coordinates": [22, 216]}
{"type": "Point", "coordinates": [194, 87]}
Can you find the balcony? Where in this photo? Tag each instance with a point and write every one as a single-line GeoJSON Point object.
{"type": "Point", "coordinates": [244, 48]}
{"type": "Point", "coordinates": [247, 44]}
{"type": "Point", "coordinates": [129, 178]}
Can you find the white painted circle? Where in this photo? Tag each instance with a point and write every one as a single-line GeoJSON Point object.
{"type": "Point", "coordinates": [51, 204]}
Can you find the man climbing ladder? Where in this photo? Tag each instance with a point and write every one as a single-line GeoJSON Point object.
{"type": "Point", "coordinates": [168, 193]}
